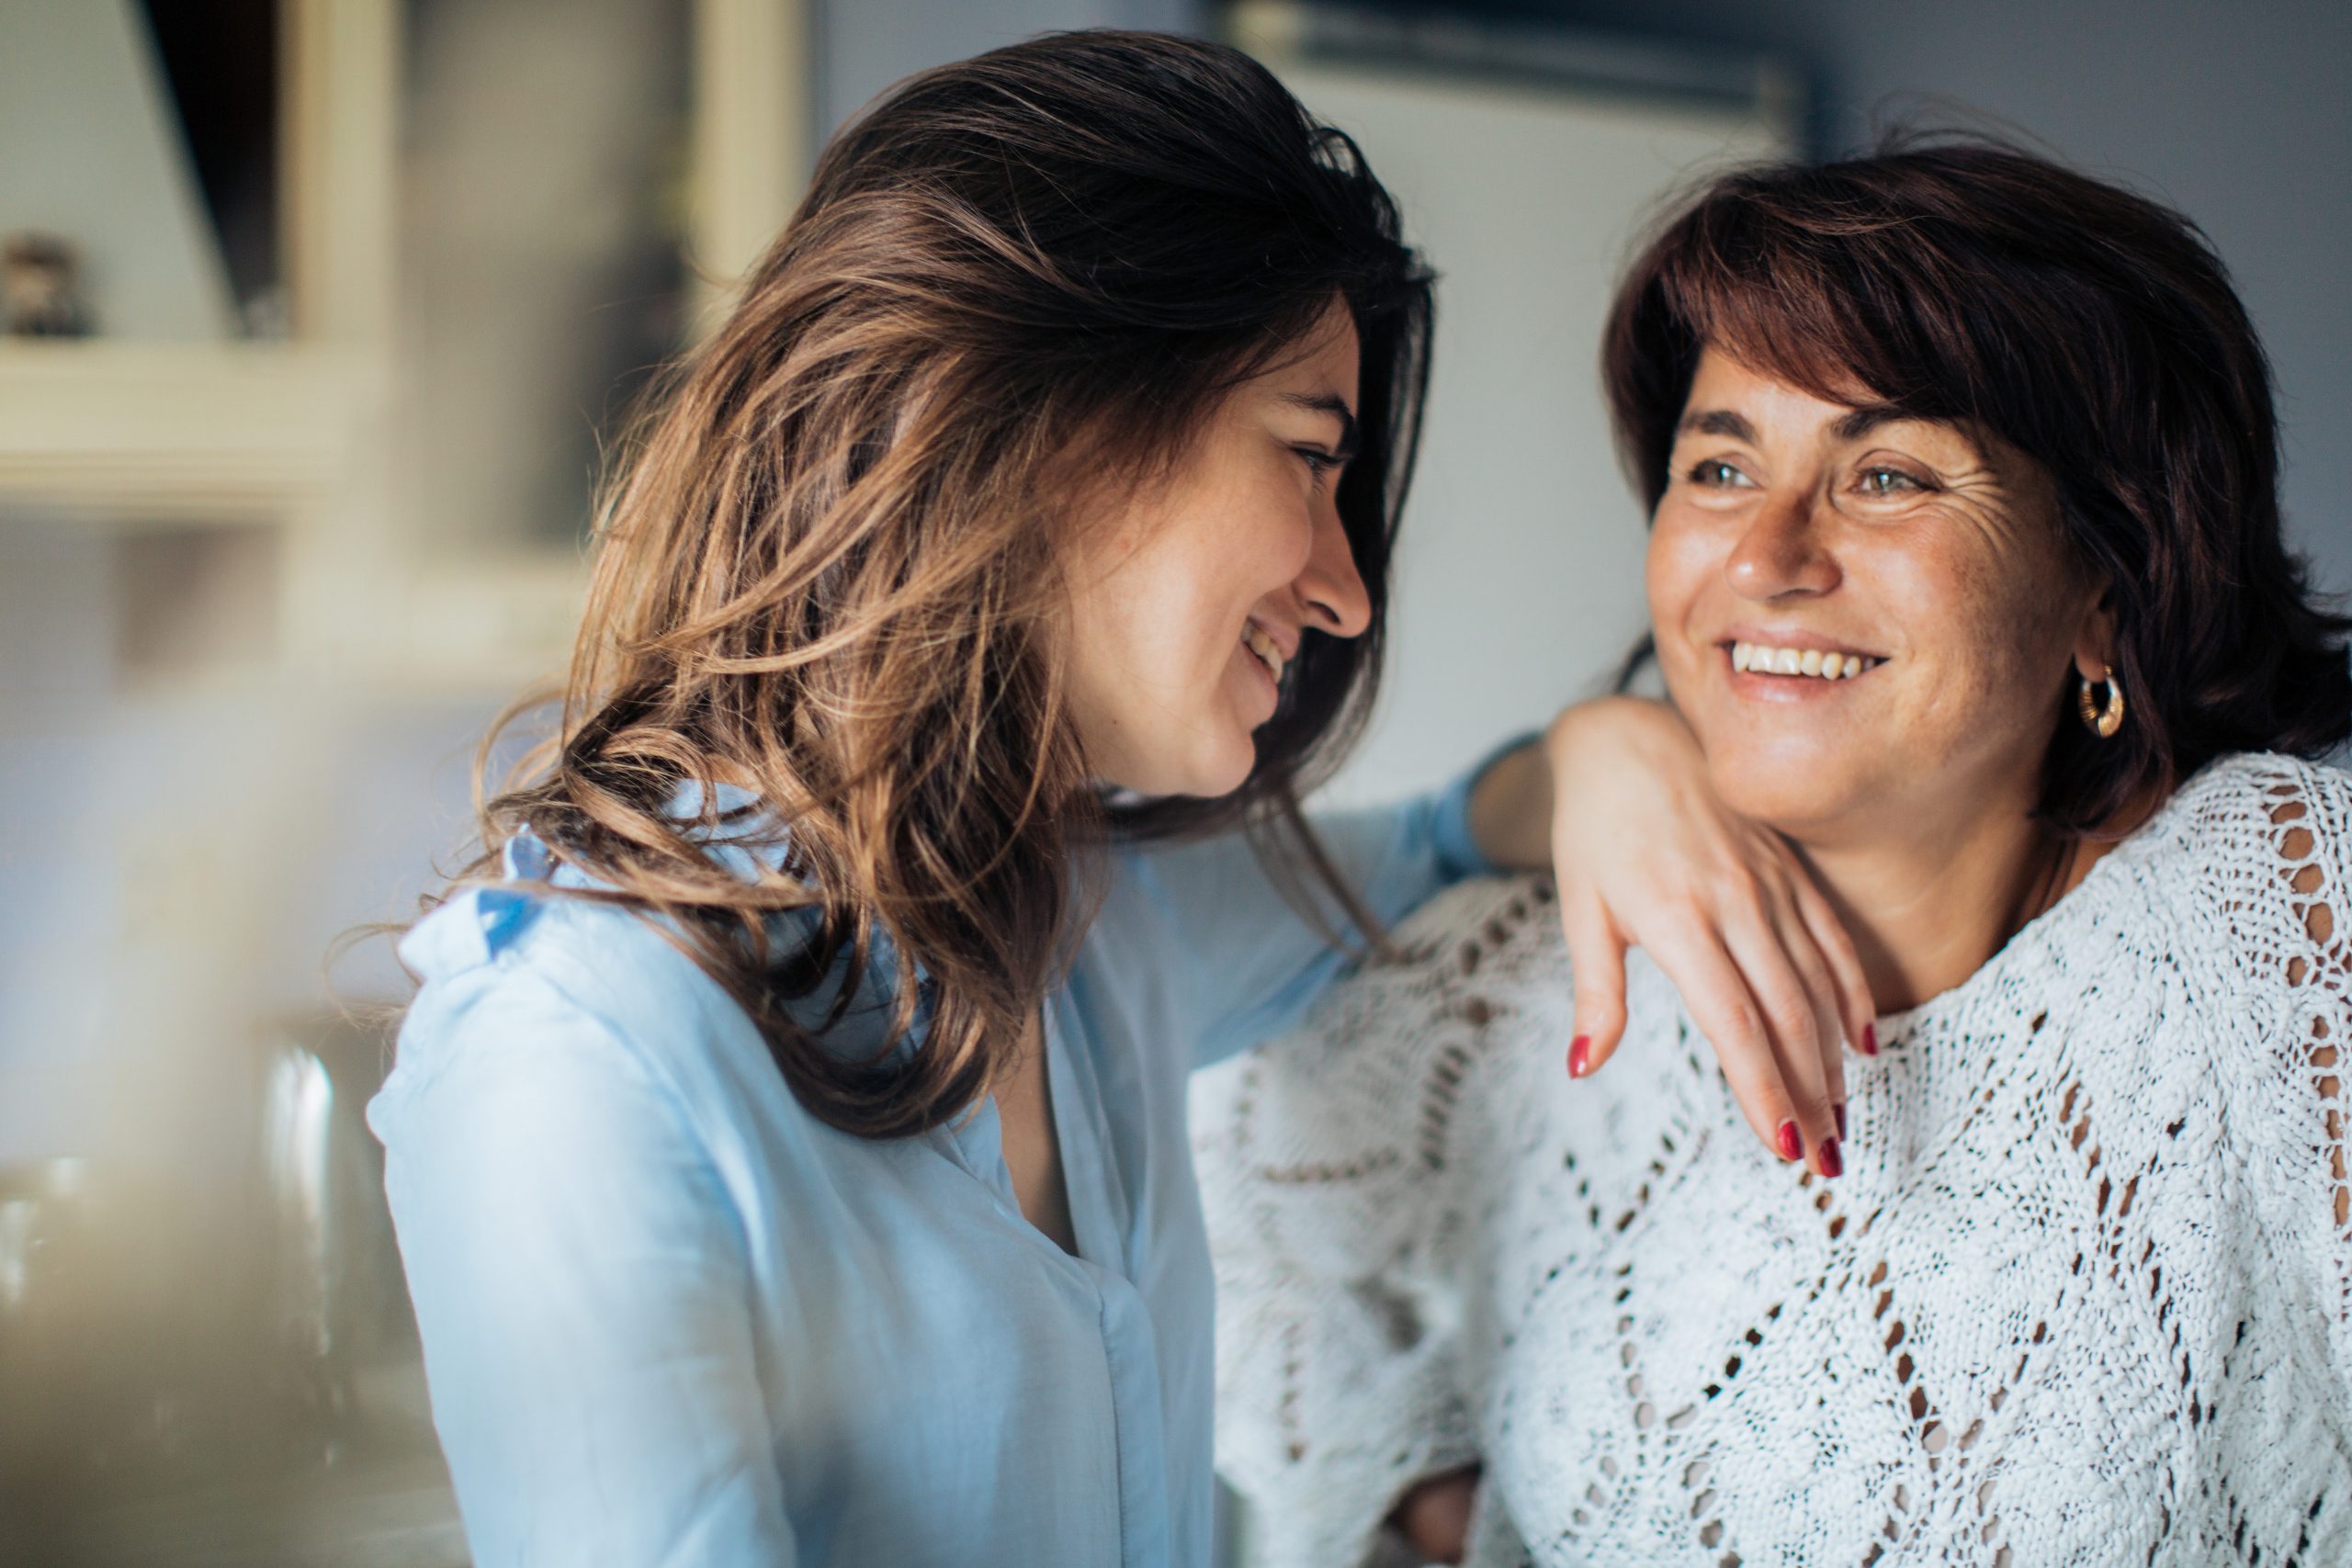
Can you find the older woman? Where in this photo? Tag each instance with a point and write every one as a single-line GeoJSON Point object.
{"type": "Point", "coordinates": [1966, 577]}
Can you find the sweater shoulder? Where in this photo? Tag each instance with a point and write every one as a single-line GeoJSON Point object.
{"type": "Point", "coordinates": [2259, 847]}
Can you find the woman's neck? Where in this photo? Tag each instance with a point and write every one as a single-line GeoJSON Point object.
{"type": "Point", "coordinates": [1928, 905]}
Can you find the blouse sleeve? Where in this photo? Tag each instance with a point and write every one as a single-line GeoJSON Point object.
{"type": "Point", "coordinates": [1234, 962]}
{"type": "Point", "coordinates": [1345, 1171]}
{"type": "Point", "coordinates": [581, 1288]}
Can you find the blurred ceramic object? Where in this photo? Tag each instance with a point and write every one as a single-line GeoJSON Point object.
{"type": "Point", "coordinates": [39, 287]}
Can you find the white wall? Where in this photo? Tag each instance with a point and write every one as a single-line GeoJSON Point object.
{"type": "Point", "coordinates": [1519, 570]}
{"type": "Point", "coordinates": [862, 45]}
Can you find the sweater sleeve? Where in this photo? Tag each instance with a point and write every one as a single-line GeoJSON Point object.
{"type": "Point", "coordinates": [1341, 1167]}
{"type": "Point", "coordinates": [2277, 867]}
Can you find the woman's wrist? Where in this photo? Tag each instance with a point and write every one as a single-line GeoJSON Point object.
{"type": "Point", "coordinates": [1510, 809]}
{"type": "Point", "coordinates": [1608, 724]}
{"type": "Point", "coordinates": [1512, 804]}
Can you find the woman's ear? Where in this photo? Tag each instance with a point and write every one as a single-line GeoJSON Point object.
{"type": "Point", "coordinates": [2095, 638]}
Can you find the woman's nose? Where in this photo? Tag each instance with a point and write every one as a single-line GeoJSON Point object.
{"type": "Point", "coordinates": [1330, 590]}
{"type": "Point", "coordinates": [1781, 553]}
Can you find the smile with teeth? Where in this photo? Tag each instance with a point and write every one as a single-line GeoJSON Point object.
{"type": "Point", "coordinates": [1828, 665]}
{"type": "Point", "coordinates": [1269, 653]}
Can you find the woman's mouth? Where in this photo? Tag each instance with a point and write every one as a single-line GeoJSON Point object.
{"type": "Point", "coordinates": [1821, 663]}
{"type": "Point", "coordinates": [1269, 653]}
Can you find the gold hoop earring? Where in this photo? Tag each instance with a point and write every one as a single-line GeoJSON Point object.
{"type": "Point", "coordinates": [2101, 721]}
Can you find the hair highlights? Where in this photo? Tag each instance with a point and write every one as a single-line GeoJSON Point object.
{"type": "Point", "coordinates": [828, 569]}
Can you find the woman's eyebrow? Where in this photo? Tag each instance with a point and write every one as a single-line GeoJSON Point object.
{"type": "Point", "coordinates": [1852, 425]}
{"type": "Point", "coordinates": [1330, 403]}
{"type": "Point", "coordinates": [1860, 422]}
{"type": "Point", "coordinates": [1717, 422]}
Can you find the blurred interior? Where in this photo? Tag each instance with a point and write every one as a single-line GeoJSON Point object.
{"type": "Point", "coordinates": [315, 317]}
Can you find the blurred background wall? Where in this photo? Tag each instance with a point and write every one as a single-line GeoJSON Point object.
{"type": "Point", "coordinates": [354, 291]}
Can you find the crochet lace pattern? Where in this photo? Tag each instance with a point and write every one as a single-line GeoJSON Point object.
{"type": "Point", "coordinates": [2081, 1296]}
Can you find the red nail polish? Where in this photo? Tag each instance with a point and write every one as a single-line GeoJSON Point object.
{"type": "Point", "coordinates": [1830, 1164]}
{"type": "Point", "coordinates": [1792, 1142]}
{"type": "Point", "coordinates": [1579, 1049]}
{"type": "Point", "coordinates": [1840, 1109]}
{"type": "Point", "coordinates": [1870, 1040]}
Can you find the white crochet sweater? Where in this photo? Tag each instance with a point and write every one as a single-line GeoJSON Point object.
{"type": "Point", "coordinates": [2081, 1296]}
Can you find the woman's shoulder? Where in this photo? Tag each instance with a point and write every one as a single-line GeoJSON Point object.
{"type": "Point", "coordinates": [1486, 940]}
{"type": "Point", "coordinates": [534, 976]}
{"type": "Point", "coordinates": [1490, 913]}
{"type": "Point", "coordinates": [2247, 797]}
{"type": "Point", "coordinates": [2246, 875]}
{"type": "Point", "coordinates": [2262, 844]}
{"type": "Point", "coordinates": [541, 929]}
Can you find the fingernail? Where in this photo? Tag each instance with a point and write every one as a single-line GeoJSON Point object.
{"type": "Point", "coordinates": [1579, 1049]}
{"type": "Point", "coordinates": [1840, 1109]}
{"type": "Point", "coordinates": [1792, 1142]}
{"type": "Point", "coordinates": [1830, 1164]}
{"type": "Point", "coordinates": [1870, 1040]}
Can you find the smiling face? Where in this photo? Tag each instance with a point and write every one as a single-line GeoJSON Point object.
{"type": "Point", "coordinates": [1870, 623]}
{"type": "Point", "coordinates": [1190, 602]}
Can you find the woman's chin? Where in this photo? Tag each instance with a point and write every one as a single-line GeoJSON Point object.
{"type": "Point", "coordinates": [1227, 772]}
{"type": "Point", "coordinates": [1784, 792]}
{"type": "Point", "coordinates": [1207, 769]}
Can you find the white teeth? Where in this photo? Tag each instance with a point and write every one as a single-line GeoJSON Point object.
{"type": "Point", "coordinates": [1269, 653]}
{"type": "Point", "coordinates": [1797, 661]}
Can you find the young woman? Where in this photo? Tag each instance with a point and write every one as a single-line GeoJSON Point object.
{"type": "Point", "coordinates": [787, 1144]}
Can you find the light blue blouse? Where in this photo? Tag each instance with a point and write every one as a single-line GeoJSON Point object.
{"type": "Point", "coordinates": [671, 1318]}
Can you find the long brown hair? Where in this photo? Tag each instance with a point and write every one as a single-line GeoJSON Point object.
{"type": "Point", "coordinates": [1967, 282]}
{"type": "Point", "coordinates": [828, 566]}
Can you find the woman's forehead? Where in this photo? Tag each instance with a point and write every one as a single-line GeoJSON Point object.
{"type": "Point", "coordinates": [1730, 396]}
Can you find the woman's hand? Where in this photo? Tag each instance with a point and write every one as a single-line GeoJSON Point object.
{"type": "Point", "coordinates": [1434, 1516]}
{"type": "Point", "coordinates": [1616, 800]}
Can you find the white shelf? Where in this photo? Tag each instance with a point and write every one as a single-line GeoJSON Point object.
{"type": "Point", "coordinates": [166, 431]}
{"type": "Point", "coordinates": [299, 437]}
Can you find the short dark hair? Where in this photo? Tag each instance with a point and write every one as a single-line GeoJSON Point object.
{"type": "Point", "coordinates": [1964, 282]}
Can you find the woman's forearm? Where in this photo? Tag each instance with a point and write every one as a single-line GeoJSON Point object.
{"type": "Point", "coordinates": [1513, 804]}
{"type": "Point", "coordinates": [1510, 809]}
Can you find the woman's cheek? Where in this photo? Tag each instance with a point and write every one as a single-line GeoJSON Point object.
{"type": "Point", "coordinates": [1679, 562]}
{"type": "Point", "coordinates": [1977, 629]}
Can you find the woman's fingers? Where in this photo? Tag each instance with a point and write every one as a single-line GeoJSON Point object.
{"type": "Point", "coordinates": [1856, 1008]}
{"type": "Point", "coordinates": [1828, 1036]}
{"type": "Point", "coordinates": [1597, 959]}
{"type": "Point", "coordinates": [1434, 1516]}
{"type": "Point", "coordinates": [1795, 939]}
{"type": "Point", "coordinates": [1694, 956]}
{"type": "Point", "coordinates": [1796, 1018]}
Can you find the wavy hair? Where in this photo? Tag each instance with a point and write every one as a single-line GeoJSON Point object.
{"type": "Point", "coordinates": [828, 565]}
{"type": "Point", "coordinates": [1966, 282]}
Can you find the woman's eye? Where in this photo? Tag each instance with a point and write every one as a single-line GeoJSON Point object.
{"type": "Point", "coordinates": [1888, 481]}
{"type": "Point", "coordinates": [1318, 463]}
{"type": "Point", "coordinates": [1719, 475]}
